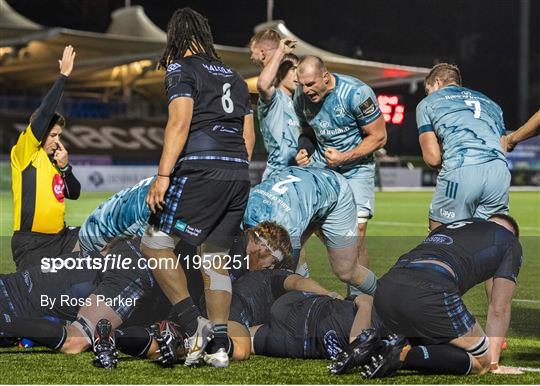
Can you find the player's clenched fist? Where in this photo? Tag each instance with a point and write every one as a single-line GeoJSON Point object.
{"type": "Point", "coordinates": [302, 158]}
{"type": "Point", "coordinates": [156, 194]}
{"type": "Point", "coordinates": [334, 157]}
{"type": "Point", "coordinates": [287, 45]}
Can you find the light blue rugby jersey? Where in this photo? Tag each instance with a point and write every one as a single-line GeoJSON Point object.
{"type": "Point", "coordinates": [338, 120]}
{"type": "Point", "coordinates": [124, 214]}
{"type": "Point", "coordinates": [294, 197]}
{"type": "Point", "coordinates": [468, 124]}
{"type": "Point", "coordinates": [280, 129]}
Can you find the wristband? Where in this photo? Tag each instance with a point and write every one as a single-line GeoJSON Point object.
{"type": "Point", "coordinates": [164, 175]}
{"type": "Point", "coordinates": [65, 169]}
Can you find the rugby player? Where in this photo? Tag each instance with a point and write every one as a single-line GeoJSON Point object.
{"type": "Point", "coordinates": [460, 133]}
{"type": "Point", "coordinates": [530, 129]}
{"type": "Point", "coordinates": [344, 115]}
{"type": "Point", "coordinates": [429, 311]}
{"type": "Point", "coordinates": [42, 178]}
{"type": "Point", "coordinates": [306, 199]}
{"type": "Point", "coordinates": [125, 214]}
{"type": "Point", "coordinates": [202, 185]}
{"type": "Point", "coordinates": [82, 296]}
{"type": "Point", "coordinates": [276, 85]}
{"type": "Point", "coordinates": [313, 326]}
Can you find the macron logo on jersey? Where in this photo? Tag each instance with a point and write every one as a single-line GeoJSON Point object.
{"type": "Point", "coordinates": [174, 67]}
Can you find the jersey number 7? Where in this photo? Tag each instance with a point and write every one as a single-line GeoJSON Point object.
{"type": "Point", "coordinates": [477, 107]}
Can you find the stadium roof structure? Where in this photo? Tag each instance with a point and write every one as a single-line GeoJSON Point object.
{"type": "Point", "coordinates": [123, 60]}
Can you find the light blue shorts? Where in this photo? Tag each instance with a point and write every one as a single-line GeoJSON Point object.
{"type": "Point", "coordinates": [471, 191]}
{"type": "Point", "coordinates": [363, 190]}
{"type": "Point", "coordinates": [340, 227]}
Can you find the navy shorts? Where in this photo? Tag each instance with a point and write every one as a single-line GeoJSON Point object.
{"type": "Point", "coordinates": [423, 305]}
{"type": "Point", "coordinates": [205, 202]}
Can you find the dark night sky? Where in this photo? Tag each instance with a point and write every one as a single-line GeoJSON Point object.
{"type": "Point", "coordinates": [481, 36]}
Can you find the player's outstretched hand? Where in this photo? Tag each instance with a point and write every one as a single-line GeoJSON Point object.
{"type": "Point", "coordinates": [66, 63]}
{"type": "Point", "coordinates": [156, 194]}
{"type": "Point", "coordinates": [302, 158]}
{"type": "Point", "coordinates": [505, 370]}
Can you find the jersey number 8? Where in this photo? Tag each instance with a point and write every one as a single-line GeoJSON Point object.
{"type": "Point", "coordinates": [226, 101]}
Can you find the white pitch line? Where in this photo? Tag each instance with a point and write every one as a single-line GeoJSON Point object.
{"type": "Point", "coordinates": [526, 301]}
{"type": "Point", "coordinates": [527, 369]}
{"type": "Point", "coordinates": [424, 225]}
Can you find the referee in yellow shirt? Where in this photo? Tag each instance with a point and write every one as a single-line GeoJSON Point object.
{"type": "Point", "coordinates": [41, 180]}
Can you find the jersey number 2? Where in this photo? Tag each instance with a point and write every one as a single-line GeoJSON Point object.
{"type": "Point", "coordinates": [280, 189]}
{"type": "Point", "coordinates": [476, 105]}
{"type": "Point", "coordinates": [226, 101]}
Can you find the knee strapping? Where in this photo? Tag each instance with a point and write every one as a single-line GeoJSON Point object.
{"type": "Point", "coordinates": [303, 270]}
{"type": "Point", "coordinates": [218, 281]}
{"type": "Point", "coordinates": [84, 326]}
{"type": "Point", "coordinates": [156, 239]}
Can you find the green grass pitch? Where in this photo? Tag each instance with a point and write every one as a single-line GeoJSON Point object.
{"type": "Point", "coordinates": [399, 223]}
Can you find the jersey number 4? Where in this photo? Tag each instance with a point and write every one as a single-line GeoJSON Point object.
{"type": "Point", "coordinates": [226, 101]}
{"type": "Point", "coordinates": [280, 189]}
{"type": "Point", "coordinates": [476, 105]}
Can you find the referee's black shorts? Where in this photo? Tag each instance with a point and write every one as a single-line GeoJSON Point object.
{"type": "Point", "coordinates": [423, 305]}
{"type": "Point", "coordinates": [28, 248]}
{"type": "Point", "coordinates": [205, 202]}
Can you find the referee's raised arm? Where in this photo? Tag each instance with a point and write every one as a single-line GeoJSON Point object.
{"type": "Point", "coordinates": [41, 119]}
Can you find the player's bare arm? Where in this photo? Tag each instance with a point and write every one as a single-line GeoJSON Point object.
{"type": "Point", "coordinates": [249, 134]}
{"type": "Point", "coordinates": [265, 83]}
{"type": "Point", "coordinates": [298, 283]}
{"type": "Point", "coordinates": [176, 133]}
{"type": "Point", "coordinates": [375, 138]}
{"type": "Point", "coordinates": [431, 150]}
{"type": "Point", "coordinates": [362, 319]}
{"type": "Point", "coordinates": [498, 317]}
{"type": "Point", "coordinates": [530, 129]}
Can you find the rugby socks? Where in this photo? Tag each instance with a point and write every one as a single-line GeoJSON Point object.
{"type": "Point", "coordinates": [44, 332]}
{"type": "Point", "coordinates": [368, 286]}
{"type": "Point", "coordinates": [185, 314]}
{"type": "Point", "coordinates": [221, 340]}
{"type": "Point", "coordinates": [438, 359]}
{"type": "Point", "coordinates": [134, 341]}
